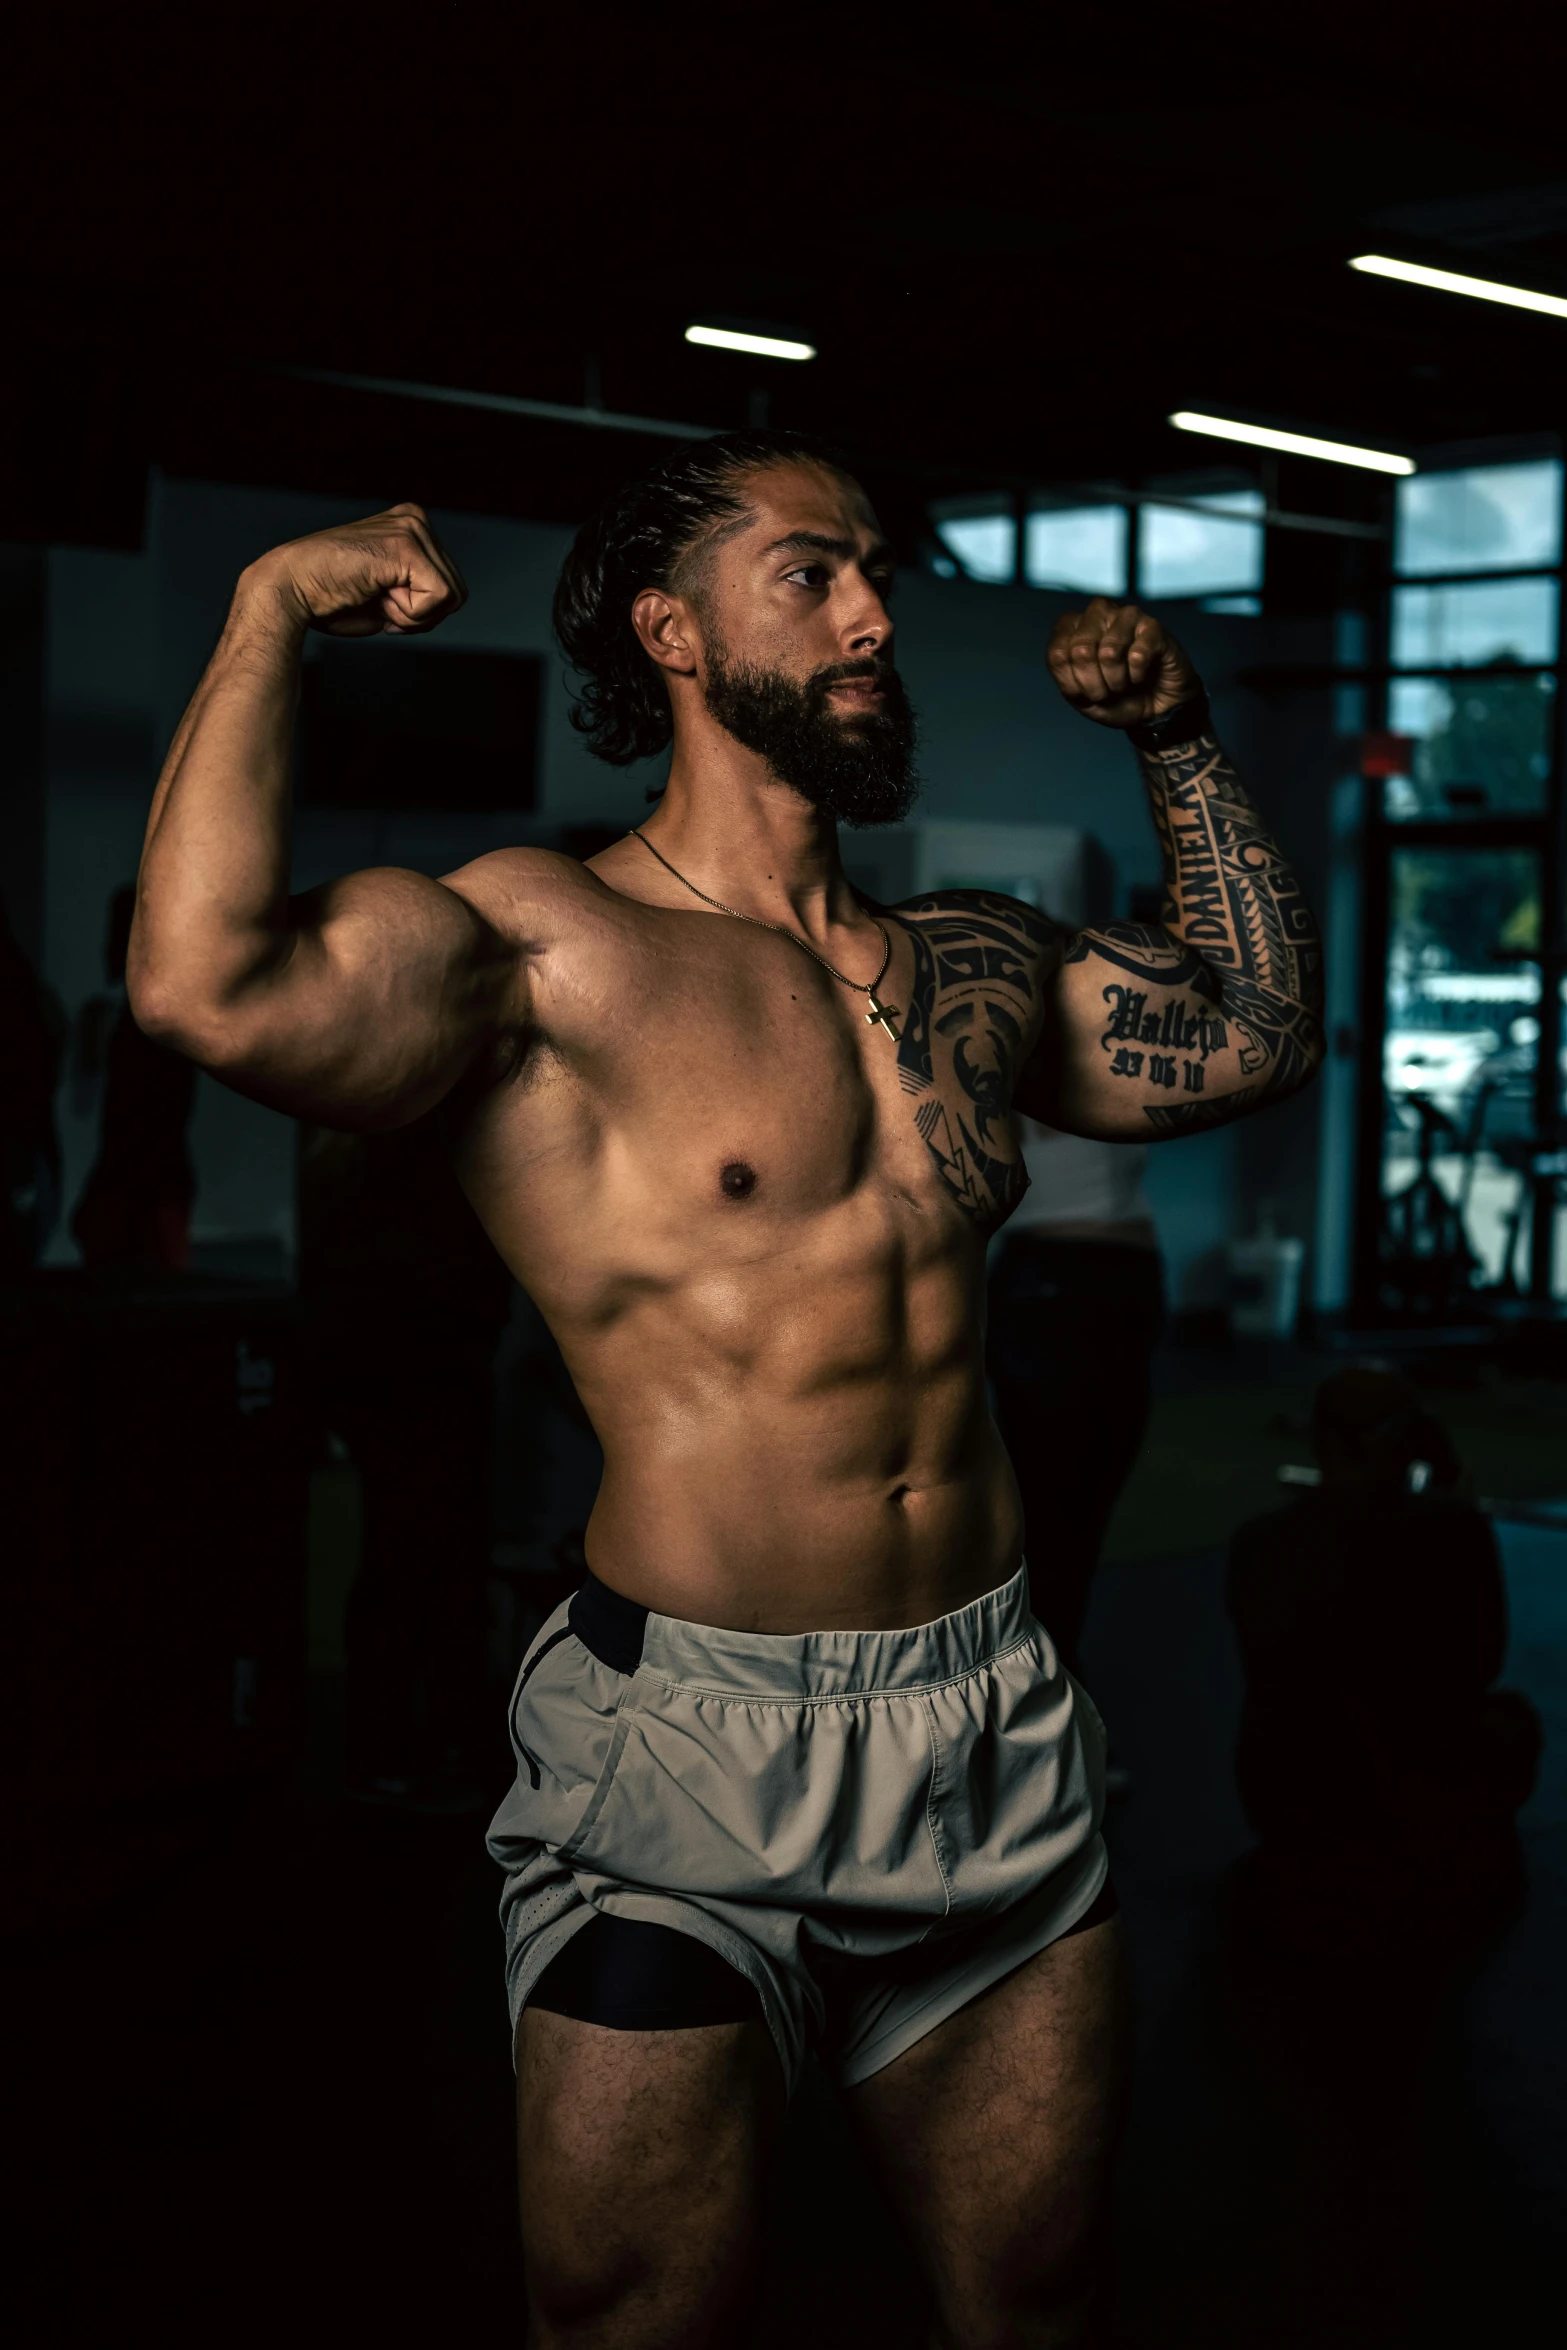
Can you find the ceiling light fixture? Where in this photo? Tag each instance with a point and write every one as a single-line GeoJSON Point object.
{"type": "Point", "coordinates": [1447, 281]}
{"type": "Point", "coordinates": [1294, 444]}
{"type": "Point", "coordinates": [725, 338]}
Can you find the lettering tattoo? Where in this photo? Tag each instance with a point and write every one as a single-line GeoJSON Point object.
{"type": "Point", "coordinates": [1187, 1027]}
{"type": "Point", "coordinates": [1208, 1015]}
{"type": "Point", "coordinates": [980, 965]}
{"type": "Point", "coordinates": [1236, 934]}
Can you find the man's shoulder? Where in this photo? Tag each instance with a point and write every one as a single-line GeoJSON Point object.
{"type": "Point", "coordinates": [521, 891]}
{"type": "Point", "coordinates": [1271, 1555]}
{"type": "Point", "coordinates": [947, 915]}
{"type": "Point", "coordinates": [1255, 1537]}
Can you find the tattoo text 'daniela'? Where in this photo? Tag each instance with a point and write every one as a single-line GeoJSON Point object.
{"type": "Point", "coordinates": [1244, 945]}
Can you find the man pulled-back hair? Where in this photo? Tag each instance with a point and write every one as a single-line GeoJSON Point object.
{"type": "Point", "coordinates": [797, 1767]}
{"type": "Point", "coordinates": [665, 531]}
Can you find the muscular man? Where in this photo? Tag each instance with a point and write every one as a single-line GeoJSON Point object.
{"type": "Point", "coordinates": [796, 1766]}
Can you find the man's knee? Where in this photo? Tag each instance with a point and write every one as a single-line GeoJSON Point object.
{"type": "Point", "coordinates": [643, 2271]}
{"type": "Point", "coordinates": [1046, 2290]}
{"type": "Point", "coordinates": [640, 2157]}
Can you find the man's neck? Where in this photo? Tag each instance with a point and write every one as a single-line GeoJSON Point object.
{"type": "Point", "coordinates": [728, 826]}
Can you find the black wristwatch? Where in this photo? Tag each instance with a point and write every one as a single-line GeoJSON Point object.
{"type": "Point", "coordinates": [1181, 725]}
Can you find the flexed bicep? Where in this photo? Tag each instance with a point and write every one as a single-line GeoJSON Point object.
{"type": "Point", "coordinates": [1167, 1028]}
{"type": "Point", "coordinates": [1148, 1040]}
{"type": "Point", "coordinates": [392, 989]}
{"type": "Point", "coordinates": [361, 1003]}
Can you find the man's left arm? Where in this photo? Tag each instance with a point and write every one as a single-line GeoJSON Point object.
{"type": "Point", "coordinates": [1215, 1011]}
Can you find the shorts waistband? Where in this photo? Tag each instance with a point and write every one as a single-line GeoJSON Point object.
{"type": "Point", "coordinates": [624, 1636]}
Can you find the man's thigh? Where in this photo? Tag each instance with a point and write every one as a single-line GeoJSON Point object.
{"type": "Point", "coordinates": [996, 2134]}
{"type": "Point", "coordinates": [640, 2164]}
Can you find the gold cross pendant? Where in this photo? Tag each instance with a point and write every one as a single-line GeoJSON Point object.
{"type": "Point", "coordinates": [884, 1013]}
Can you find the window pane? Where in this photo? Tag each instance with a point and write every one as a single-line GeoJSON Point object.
{"type": "Point", "coordinates": [984, 544]}
{"type": "Point", "coordinates": [1460, 1056]}
{"type": "Point", "coordinates": [1077, 547]}
{"type": "Point", "coordinates": [1482, 745]}
{"type": "Point", "coordinates": [1351, 639]}
{"type": "Point", "coordinates": [1486, 518]}
{"type": "Point", "coordinates": [1184, 554]}
{"type": "Point", "coordinates": [1493, 620]}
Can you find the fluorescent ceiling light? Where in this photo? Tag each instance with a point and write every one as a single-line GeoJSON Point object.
{"type": "Point", "coordinates": [1446, 281]}
{"type": "Point", "coordinates": [1296, 444]}
{"type": "Point", "coordinates": [723, 338]}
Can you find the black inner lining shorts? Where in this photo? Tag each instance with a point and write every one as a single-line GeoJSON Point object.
{"type": "Point", "coordinates": [849, 1834]}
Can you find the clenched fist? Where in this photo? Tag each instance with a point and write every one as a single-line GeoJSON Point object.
{"type": "Point", "coordinates": [387, 575]}
{"type": "Point", "coordinates": [1117, 665]}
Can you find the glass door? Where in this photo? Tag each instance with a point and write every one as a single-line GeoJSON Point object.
{"type": "Point", "coordinates": [1461, 1082]}
{"type": "Point", "coordinates": [1459, 1066]}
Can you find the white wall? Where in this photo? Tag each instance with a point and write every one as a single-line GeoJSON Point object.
{"type": "Point", "coordinates": [129, 635]}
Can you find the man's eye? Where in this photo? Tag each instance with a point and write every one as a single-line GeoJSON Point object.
{"type": "Point", "coordinates": [809, 574]}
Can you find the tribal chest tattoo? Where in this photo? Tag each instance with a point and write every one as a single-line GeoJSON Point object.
{"type": "Point", "coordinates": [1124, 1031]}
{"type": "Point", "coordinates": [980, 962]}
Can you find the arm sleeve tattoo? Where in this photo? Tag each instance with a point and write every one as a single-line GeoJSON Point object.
{"type": "Point", "coordinates": [1223, 999]}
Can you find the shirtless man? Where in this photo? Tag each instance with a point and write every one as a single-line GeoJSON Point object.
{"type": "Point", "coordinates": [797, 1766]}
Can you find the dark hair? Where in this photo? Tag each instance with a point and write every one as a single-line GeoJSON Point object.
{"type": "Point", "coordinates": [1378, 1419]}
{"type": "Point", "coordinates": [639, 540]}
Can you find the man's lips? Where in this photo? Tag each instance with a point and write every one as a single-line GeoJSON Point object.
{"type": "Point", "coordinates": [860, 689]}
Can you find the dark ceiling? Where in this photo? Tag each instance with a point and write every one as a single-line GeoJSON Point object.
{"type": "Point", "coordinates": [1018, 237]}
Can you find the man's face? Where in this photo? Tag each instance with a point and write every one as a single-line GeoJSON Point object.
{"type": "Point", "coordinates": [798, 645]}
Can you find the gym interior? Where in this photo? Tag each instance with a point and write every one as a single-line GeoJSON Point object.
{"type": "Point", "coordinates": [1259, 324]}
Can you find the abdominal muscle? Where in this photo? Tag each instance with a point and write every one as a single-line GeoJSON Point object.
{"type": "Point", "coordinates": [789, 1454]}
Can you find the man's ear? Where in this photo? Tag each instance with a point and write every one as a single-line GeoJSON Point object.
{"type": "Point", "coordinates": [666, 630]}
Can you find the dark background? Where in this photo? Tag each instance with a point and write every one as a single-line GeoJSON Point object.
{"type": "Point", "coordinates": [1018, 241]}
{"type": "Point", "coordinates": [257, 2054]}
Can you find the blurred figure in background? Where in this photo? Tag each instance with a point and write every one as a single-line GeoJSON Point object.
{"type": "Point", "coordinates": [1377, 1764]}
{"type": "Point", "coordinates": [405, 1301]}
{"type": "Point", "coordinates": [135, 1205]}
{"type": "Point", "coordinates": [1076, 1309]}
{"type": "Point", "coordinates": [32, 1040]}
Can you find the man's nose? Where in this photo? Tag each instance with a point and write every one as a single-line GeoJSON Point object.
{"type": "Point", "coordinates": [870, 627]}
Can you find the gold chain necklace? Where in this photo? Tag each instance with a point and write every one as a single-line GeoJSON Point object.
{"type": "Point", "coordinates": [880, 1014]}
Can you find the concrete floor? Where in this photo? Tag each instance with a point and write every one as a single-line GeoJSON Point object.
{"type": "Point", "coordinates": [274, 2094]}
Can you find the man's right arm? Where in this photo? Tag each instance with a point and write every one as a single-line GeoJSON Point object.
{"type": "Point", "coordinates": [358, 1004]}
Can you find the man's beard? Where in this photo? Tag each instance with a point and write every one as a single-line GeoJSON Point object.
{"type": "Point", "coordinates": [860, 769]}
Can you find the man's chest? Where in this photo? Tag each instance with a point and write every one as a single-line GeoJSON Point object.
{"type": "Point", "coordinates": [747, 1072]}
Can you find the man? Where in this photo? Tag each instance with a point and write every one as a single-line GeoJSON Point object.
{"type": "Point", "coordinates": [1377, 1759]}
{"type": "Point", "coordinates": [1076, 1310]}
{"type": "Point", "coordinates": [796, 1763]}
{"type": "Point", "coordinates": [404, 1305]}
{"type": "Point", "coordinates": [136, 1202]}
{"type": "Point", "coordinates": [32, 1035]}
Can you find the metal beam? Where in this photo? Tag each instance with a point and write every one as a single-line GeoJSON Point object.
{"type": "Point", "coordinates": [666, 428]}
{"type": "Point", "coordinates": [504, 404]}
{"type": "Point", "coordinates": [1273, 517]}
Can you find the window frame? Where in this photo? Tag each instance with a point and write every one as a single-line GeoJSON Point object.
{"type": "Point", "coordinates": [1540, 831]}
{"type": "Point", "coordinates": [1018, 505]}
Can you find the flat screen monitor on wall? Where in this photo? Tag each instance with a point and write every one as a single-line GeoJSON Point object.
{"type": "Point", "coordinates": [393, 726]}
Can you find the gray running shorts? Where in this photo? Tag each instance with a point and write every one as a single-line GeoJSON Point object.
{"type": "Point", "coordinates": [872, 1827]}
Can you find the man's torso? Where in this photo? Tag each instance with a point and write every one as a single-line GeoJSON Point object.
{"type": "Point", "coordinates": [757, 1225]}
